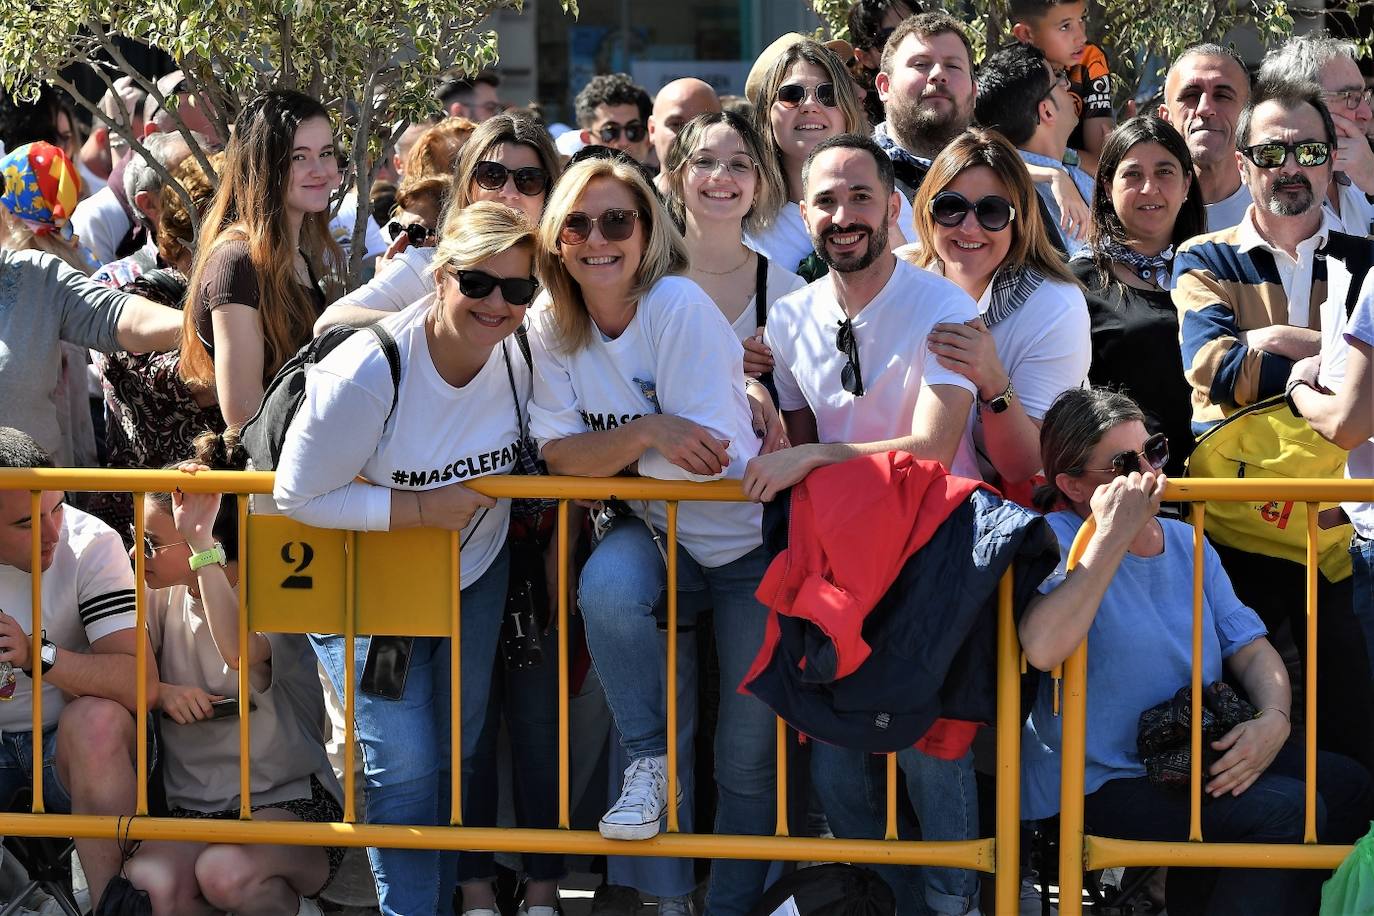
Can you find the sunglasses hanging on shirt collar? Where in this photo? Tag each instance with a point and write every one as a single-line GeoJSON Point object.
{"type": "Point", "coordinates": [850, 376]}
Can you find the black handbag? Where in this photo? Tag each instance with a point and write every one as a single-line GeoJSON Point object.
{"type": "Point", "coordinates": [1164, 734]}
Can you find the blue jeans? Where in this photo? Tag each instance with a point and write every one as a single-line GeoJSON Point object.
{"type": "Point", "coordinates": [527, 699]}
{"type": "Point", "coordinates": [405, 743]}
{"type": "Point", "coordinates": [852, 788]}
{"type": "Point", "coordinates": [16, 770]}
{"type": "Point", "coordinates": [622, 600]}
{"type": "Point", "coordinates": [1362, 561]}
{"type": "Point", "coordinates": [1270, 811]}
{"type": "Point", "coordinates": [660, 875]}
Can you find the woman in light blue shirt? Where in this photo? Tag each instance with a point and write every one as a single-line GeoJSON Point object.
{"type": "Point", "coordinates": [1131, 597]}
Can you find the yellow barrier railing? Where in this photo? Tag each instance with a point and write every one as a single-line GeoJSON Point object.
{"type": "Point", "coordinates": [1081, 852]}
{"type": "Point", "coordinates": [344, 604]}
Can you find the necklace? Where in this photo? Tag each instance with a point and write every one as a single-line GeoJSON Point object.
{"type": "Point", "coordinates": [721, 273]}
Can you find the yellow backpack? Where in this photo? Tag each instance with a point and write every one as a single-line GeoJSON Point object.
{"type": "Point", "coordinates": [1266, 441]}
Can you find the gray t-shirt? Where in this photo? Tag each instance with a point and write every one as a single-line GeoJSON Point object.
{"type": "Point", "coordinates": [43, 302]}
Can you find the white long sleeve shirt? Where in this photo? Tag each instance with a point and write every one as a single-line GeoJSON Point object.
{"type": "Point", "coordinates": [679, 348]}
{"type": "Point", "coordinates": [439, 435]}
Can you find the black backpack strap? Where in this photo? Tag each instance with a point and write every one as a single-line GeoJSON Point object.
{"type": "Point", "coordinates": [761, 292]}
{"type": "Point", "coordinates": [393, 359]}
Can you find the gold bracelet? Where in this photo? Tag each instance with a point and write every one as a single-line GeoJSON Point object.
{"type": "Point", "coordinates": [1276, 709]}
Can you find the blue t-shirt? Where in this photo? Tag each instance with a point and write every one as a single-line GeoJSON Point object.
{"type": "Point", "coordinates": [1140, 650]}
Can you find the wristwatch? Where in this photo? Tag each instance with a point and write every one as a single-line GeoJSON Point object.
{"type": "Point", "coordinates": [203, 559]}
{"type": "Point", "coordinates": [1001, 402]}
{"type": "Point", "coordinates": [47, 656]}
{"type": "Point", "coordinates": [1288, 394]}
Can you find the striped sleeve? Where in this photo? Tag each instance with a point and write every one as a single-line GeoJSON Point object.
{"type": "Point", "coordinates": [1219, 294]}
{"type": "Point", "coordinates": [105, 587]}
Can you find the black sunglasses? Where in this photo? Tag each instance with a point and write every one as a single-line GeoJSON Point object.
{"type": "Point", "coordinates": [530, 180]}
{"type": "Point", "coordinates": [478, 284]}
{"type": "Point", "coordinates": [149, 548]}
{"type": "Point", "coordinates": [616, 226]}
{"type": "Point", "coordinates": [1273, 155]}
{"type": "Point", "coordinates": [610, 132]}
{"type": "Point", "coordinates": [1155, 451]}
{"type": "Point", "coordinates": [992, 212]}
{"type": "Point", "coordinates": [850, 376]}
{"type": "Point", "coordinates": [418, 234]}
{"type": "Point", "coordinates": [790, 95]}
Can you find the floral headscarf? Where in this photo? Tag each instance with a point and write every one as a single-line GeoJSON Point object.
{"type": "Point", "coordinates": [41, 188]}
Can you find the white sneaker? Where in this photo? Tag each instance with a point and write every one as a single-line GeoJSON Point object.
{"type": "Point", "coordinates": [676, 906]}
{"type": "Point", "coordinates": [636, 814]}
{"type": "Point", "coordinates": [309, 907]}
{"type": "Point", "coordinates": [538, 910]}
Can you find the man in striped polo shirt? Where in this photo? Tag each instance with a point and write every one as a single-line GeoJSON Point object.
{"type": "Point", "coordinates": [87, 659]}
{"type": "Point", "coordinates": [1252, 300]}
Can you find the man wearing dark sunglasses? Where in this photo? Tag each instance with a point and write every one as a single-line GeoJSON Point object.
{"type": "Point", "coordinates": [1331, 64]}
{"type": "Point", "coordinates": [86, 660]}
{"type": "Point", "coordinates": [1253, 300]}
{"type": "Point", "coordinates": [612, 111]}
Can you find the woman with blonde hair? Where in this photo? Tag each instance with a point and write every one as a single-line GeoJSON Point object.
{"type": "Point", "coordinates": [807, 96]}
{"type": "Point", "coordinates": [353, 460]}
{"type": "Point", "coordinates": [265, 263]}
{"type": "Point", "coordinates": [511, 159]}
{"type": "Point", "coordinates": [980, 226]}
{"type": "Point", "coordinates": [637, 370]}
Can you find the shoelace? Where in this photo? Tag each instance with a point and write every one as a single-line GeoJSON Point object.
{"type": "Point", "coordinates": [642, 788]}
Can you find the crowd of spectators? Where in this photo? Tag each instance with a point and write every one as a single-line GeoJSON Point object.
{"type": "Point", "coordinates": [957, 285]}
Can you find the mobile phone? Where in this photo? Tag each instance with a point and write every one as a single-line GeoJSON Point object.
{"type": "Point", "coordinates": [386, 667]}
{"type": "Point", "coordinates": [227, 708]}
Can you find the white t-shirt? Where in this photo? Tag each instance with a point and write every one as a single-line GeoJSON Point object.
{"type": "Point", "coordinates": [402, 281]}
{"type": "Point", "coordinates": [787, 241]}
{"type": "Point", "coordinates": [341, 227]}
{"type": "Point", "coordinates": [100, 223]}
{"type": "Point", "coordinates": [894, 358]}
{"type": "Point", "coordinates": [286, 741]}
{"type": "Point", "coordinates": [1045, 346]}
{"type": "Point", "coordinates": [1357, 213]}
{"type": "Point", "coordinates": [1360, 463]}
{"type": "Point", "coordinates": [781, 282]}
{"type": "Point", "coordinates": [88, 593]}
{"type": "Point", "coordinates": [438, 435]}
{"type": "Point", "coordinates": [678, 348]}
{"type": "Point", "coordinates": [1230, 211]}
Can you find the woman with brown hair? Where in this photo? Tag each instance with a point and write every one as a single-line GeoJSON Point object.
{"type": "Point", "coordinates": [980, 226]}
{"type": "Point", "coordinates": [266, 262]}
{"type": "Point", "coordinates": [510, 159]}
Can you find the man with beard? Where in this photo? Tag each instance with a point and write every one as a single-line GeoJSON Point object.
{"type": "Point", "coordinates": [1204, 93]}
{"type": "Point", "coordinates": [854, 373]}
{"type": "Point", "coordinates": [1252, 300]}
{"type": "Point", "coordinates": [855, 376]}
{"type": "Point", "coordinates": [925, 80]}
{"type": "Point", "coordinates": [1331, 64]}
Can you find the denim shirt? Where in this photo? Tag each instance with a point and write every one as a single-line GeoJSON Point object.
{"type": "Point", "coordinates": [1081, 180]}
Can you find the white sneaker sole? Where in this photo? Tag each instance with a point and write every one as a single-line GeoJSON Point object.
{"type": "Point", "coordinates": [629, 831]}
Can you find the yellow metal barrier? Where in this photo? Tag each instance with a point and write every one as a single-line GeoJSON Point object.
{"type": "Point", "coordinates": [299, 579]}
{"type": "Point", "coordinates": [1080, 852]}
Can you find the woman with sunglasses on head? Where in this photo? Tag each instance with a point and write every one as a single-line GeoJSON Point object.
{"type": "Point", "coordinates": [511, 159]}
{"type": "Point", "coordinates": [191, 567]}
{"type": "Point", "coordinates": [368, 454]}
{"type": "Point", "coordinates": [807, 96]}
{"type": "Point", "coordinates": [721, 180]}
{"type": "Point", "coordinates": [637, 371]}
{"type": "Point", "coordinates": [1145, 202]}
{"type": "Point", "coordinates": [1131, 598]}
{"type": "Point", "coordinates": [266, 264]}
{"type": "Point", "coordinates": [979, 224]}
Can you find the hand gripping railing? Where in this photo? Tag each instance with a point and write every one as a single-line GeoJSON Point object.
{"type": "Point", "coordinates": [1080, 852]}
{"type": "Point", "coordinates": [355, 612]}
